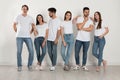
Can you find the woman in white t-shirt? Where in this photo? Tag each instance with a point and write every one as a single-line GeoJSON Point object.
{"type": "Point", "coordinates": [40, 40]}
{"type": "Point", "coordinates": [67, 39]}
{"type": "Point", "coordinates": [99, 40]}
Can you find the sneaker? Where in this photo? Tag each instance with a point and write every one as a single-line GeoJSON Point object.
{"type": "Point", "coordinates": [40, 68]}
{"type": "Point", "coordinates": [52, 68]}
{"type": "Point", "coordinates": [30, 68]}
{"type": "Point", "coordinates": [85, 68]}
{"type": "Point", "coordinates": [19, 69]}
{"type": "Point", "coordinates": [77, 67]}
{"type": "Point", "coordinates": [37, 67]}
{"type": "Point", "coordinates": [66, 68]}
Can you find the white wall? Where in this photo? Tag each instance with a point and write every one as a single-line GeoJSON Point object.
{"type": "Point", "coordinates": [11, 8]}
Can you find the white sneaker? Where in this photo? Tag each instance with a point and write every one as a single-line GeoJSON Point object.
{"type": "Point", "coordinates": [52, 68]}
{"type": "Point", "coordinates": [40, 68]}
{"type": "Point", "coordinates": [37, 67]}
{"type": "Point", "coordinates": [77, 67]}
{"type": "Point", "coordinates": [85, 68]}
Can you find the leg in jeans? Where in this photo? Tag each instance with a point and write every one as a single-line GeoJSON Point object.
{"type": "Point", "coordinates": [70, 42]}
{"type": "Point", "coordinates": [101, 47]}
{"type": "Point", "coordinates": [54, 53]}
{"type": "Point", "coordinates": [63, 49]}
{"type": "Point", "coordinates": [49, 45]}
{"type": "Point", "coordinates": [29, 44]}
{"type": "Point", "coordinates": [37, 48]}
{"type": "Point", "coordinates": [19, 42]}
{"type": "Point", "coordinates": [78, 45]}
{"type": "Point", "coordinates": [69, 51]}
{"type": "Point", "coordinates": [43, 52]}
{"type": "Point", "coordinates": [95, 48]}
{"type": "Point", "coordinates": [85, 50]}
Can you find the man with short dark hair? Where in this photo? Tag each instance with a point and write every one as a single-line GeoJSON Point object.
{"type": "Point", "coordinates": [53, 36]}
{"type": "Point", "coordinates": [23, 26]}
{"type": "Point", "coordinates": [84, 26]}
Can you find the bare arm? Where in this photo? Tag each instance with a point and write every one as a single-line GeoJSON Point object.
{"type": "Point", "coordinates": [34, 29]}
{"type": "Point", "coordinates": [15, 27]}
{"type": "Point", "coordinates": [62, 34]}
{"type": "Point", "coordinates": [89, 29]}
{"type": "Point", "coordinates": [106, 32]}
{"type": "Point", "coordinates": [75, 19]}
{"type": "Point", "coordinates": [57, 37]}
{"type": "Point", "coordinates": [46, 36]}
{"type": "Point", "coordinates": [81, 25]}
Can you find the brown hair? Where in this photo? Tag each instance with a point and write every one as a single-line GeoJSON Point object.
{"type": "Point", "coordinates": [25, 6]}
{"type": "Point", "coordinates": [100, 20]}
{"type": "Point", "coordinates": [37, 22]}
{"type": "Point", "coordinates": [66, 14]}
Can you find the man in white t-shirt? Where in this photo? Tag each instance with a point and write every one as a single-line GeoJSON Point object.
{"type": "Point", "coordinates": [53, 36]}
{"type": "Point", "coordinates": [23, 26]}
{"type": "Point", "coordinates": [84, 26]}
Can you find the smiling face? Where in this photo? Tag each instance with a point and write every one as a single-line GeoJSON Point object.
{"type": "Point", "coordinates": [40, 19]}
{"type": "Point", "coordinates": [68, 16]}
{"type": "Point", "coordinates": [86, 13]}
{"type": "Point", "coordinates": [51, 14]}
{"type": "Point", "coordinates": [96, 16]}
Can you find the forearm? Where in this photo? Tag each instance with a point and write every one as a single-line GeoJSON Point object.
{"type": "Point", "coordinates": [86, 29]}
{"type": "Point", "coordinates": [33, 28]}
{"type": "Point", "coordinates": [14, 27]}
{"type": "Point", "coordinates": [90, 28]}
{"type": "Point", "coordinates": [62, 34]}
{"type": "Point", "coordinates": [105, 33]}
{"type": "Point", "coordinates": [46, 36]}
{"type": "Point", "coordinates": [81, 25]}
{"type": "Point", "coordinates": [58, 34]}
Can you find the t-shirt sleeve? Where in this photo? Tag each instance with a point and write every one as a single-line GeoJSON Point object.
{"type": "Point", "coordinates": [32, 21]}
{"type": "Point", "coordinates": [79, 20]}
{"type": "Point", "coordinates": [47, 26]}
{"type": "Point", "coordinates": [91, 22]}
{"type": "Point", "coordinates": [59, 24]}
{"type": "Point", "coordinates": [104, 25]}
{"type": "Point", "coordinates": [16, 19]}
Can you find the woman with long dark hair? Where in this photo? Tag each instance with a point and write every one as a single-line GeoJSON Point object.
{"type": "Point", "coordinates": [99, 40]}
{"type": "Point", "coordinates": [40, 40]}
{"type": "Point", "coordinates": [67, 39]}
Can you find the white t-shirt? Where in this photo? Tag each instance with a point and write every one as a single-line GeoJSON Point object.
{"type": "Point", "coordinates": [101, 31]}
{"type": "Point", "coordinates": [23, 25]}
{"type": "Point", "coordinates": [68, 27]}
{"type": "Point", "coordinates": [41, 30]}
{"type": "Point", "coordinates": [53, 26]}
{"type": "Point", "coordinates": [84, 35]}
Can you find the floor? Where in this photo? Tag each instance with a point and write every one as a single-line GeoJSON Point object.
{"type": "Point", "coordinates": [11, 73]}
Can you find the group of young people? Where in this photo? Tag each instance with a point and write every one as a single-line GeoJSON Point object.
{"type": "Point", "coordinates": [47, 35]}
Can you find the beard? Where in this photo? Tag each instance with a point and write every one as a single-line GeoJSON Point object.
{"type": "Point", "coordinates": [51, 16]}
{"type": "Point", "coordinates": [86, 15]}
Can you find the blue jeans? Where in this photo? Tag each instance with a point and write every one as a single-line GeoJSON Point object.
{"type": "Point", "coordinates": [38, 43]}
{"type": "Point", "coordinates": [69, 39]}
{"type": "Point", "coordinates": [97, 49]}
{"type": "Point", "coordinates": [28, 42]}
{"type": "Point", "coordinates": [52, 51]}
{"type": "Point", "coordinates": [78, 45]}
